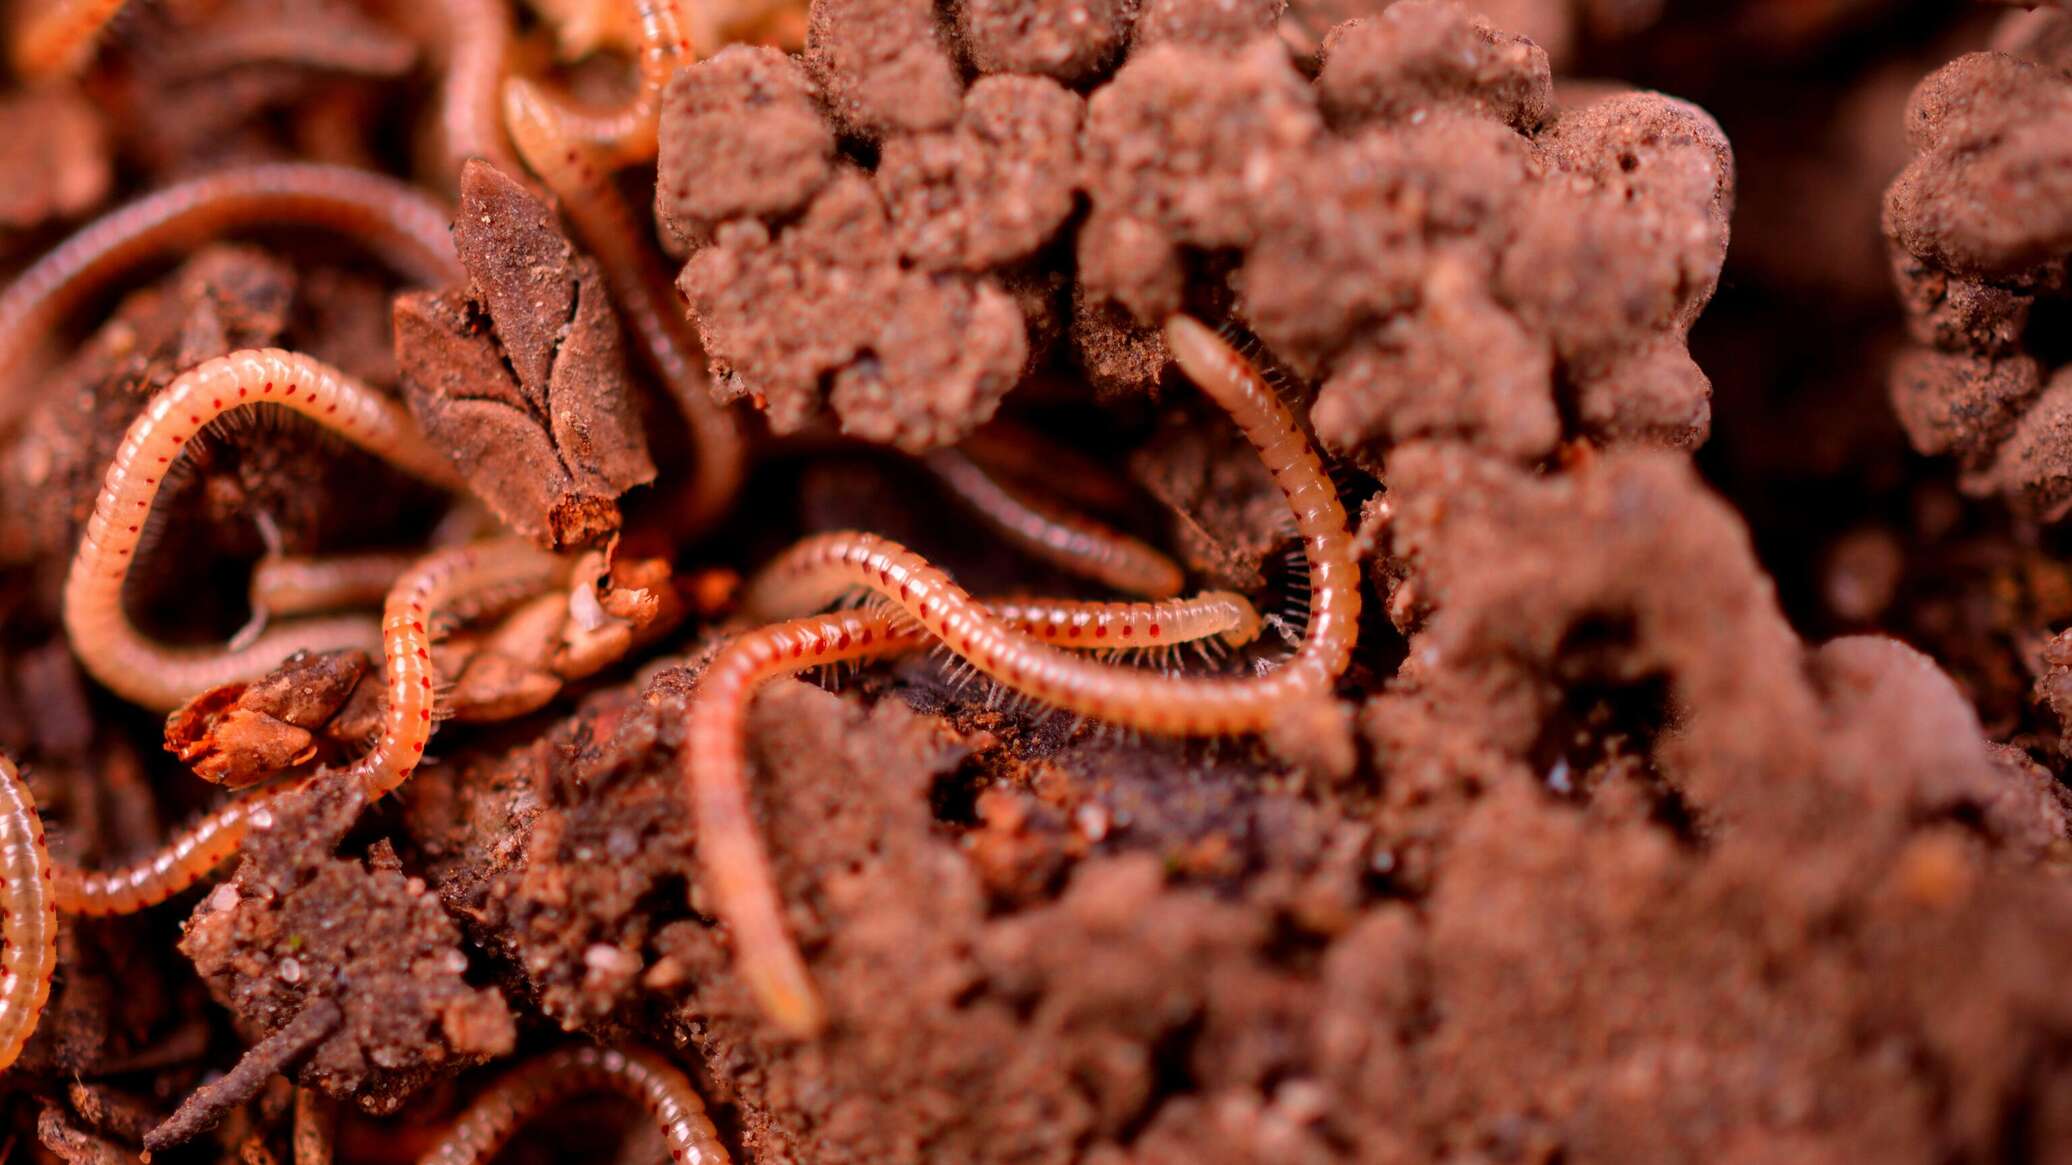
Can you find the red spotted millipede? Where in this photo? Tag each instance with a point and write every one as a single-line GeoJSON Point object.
{"type": "Point", "coordinates": [107, 643]}
{"type": "Point", "coordinates": [28, 915]}
{"type": "Point", "coordinates": [506, 568]}
{"type": "Point", "coordinates": [820, 568]}
{"type": "Point", "coordinates": [714, 754]}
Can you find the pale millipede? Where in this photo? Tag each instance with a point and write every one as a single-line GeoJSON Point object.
{"type": "Point", "coordinates": [28, 915]}
{"type": "Point", "coordinates": [284, 584]}
{"type": "Point", "coordinates": [625, 135]}
{"type": "Point", "coordinates": [188, 858]}
{"type": "Point", "coordinates": [507, 568]}
{"type": "Point", "coordinates": [1052, 534]}
{"type": "Point", "coordinates": [407, 227]}
{"type": "Point", "coordinates": [820, 568]}
{"type": "Point", "coordinates": [107, 643]}
{"type": "Point", "coordinates": [714, 754]}
{"type": "Point", "coordinates": [59, 40]}
{"type": "Point", "coordinates": [642, 1075]}
{"type": "Point", "coordinates": [640, 289]}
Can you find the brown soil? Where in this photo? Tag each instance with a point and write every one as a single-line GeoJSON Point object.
{"type": "Point", "coordinates": [1708, 797]}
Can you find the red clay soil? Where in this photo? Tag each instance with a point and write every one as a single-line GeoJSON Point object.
{"type": "Point", "coordinates": [1696, 791]}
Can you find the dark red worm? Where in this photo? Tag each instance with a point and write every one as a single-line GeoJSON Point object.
{"type": "Point", "coordinates": [407, 227]}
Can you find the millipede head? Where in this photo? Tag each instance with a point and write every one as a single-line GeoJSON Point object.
{"type": "Point", "coordinates": [1248, 624]}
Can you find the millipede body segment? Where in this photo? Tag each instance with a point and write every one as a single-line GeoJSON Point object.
{"type": "Point", "coordinates": [1093, 625]}
{"type": "Point", "coordinates": [640, 289]}
{"type": "Point", "coordinates": [819, 568]}
{"type": "Point", "coordinates": [190, 856]}
{"type": "Point", "coordinates": [1050, 533]}
{"type": "Point", "coordinates": [28, 915]}
{"type": "Point", "coordinates": [626, 135]}
{"type": "Point", "coordinates": [59, 39]}
{"type": "Point", "coordinates": [715, 756]}
{"type": "Point", "coordinates": [407, 227]}
{"type": "Point", "coordinates": [641, 1075]}
{"type": "Point", "coordinates": [105, 640]}
{"type": "Point", "coordinates": [488, 571]}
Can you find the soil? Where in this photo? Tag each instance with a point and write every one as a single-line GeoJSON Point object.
{"type": "Point", "coordinates": [1700, 377]}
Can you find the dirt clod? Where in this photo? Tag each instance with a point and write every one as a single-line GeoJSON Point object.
{"type": "Point", "coordinates": [296, 925]}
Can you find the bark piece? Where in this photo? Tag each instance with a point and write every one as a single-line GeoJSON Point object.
{"type": "Point", "coordinates": [520, 376]}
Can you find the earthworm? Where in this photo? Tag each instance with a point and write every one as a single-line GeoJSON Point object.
{"type": "Point", "coordinates": [625, 135]}
{"type": "Point", "coordinates": [323, 44]}
{"type": "Point", "coordinates": [28, 915]}
{"type": "Point", "coordinates": [641, 1075]}
{"type": "Point", "coordinates": [478, 36]}
{"type": "Point", "coordinates": [102, 636]}
{"type": "Point", "coordinates": [1071, 542]}
{"type": "Point", "coordinates": [59, 40]}
{"type": "Point", "coordinates": [714, 752]}
{"type": "Point", "coordinates": [408, 227]}
{"type": "Point", "coordinates": [1010, 450]}
{"type": "Point", "coordinates": [639, 288]}
{"type": "Point", "coordinates": [508, 566]}
{"type": "Point", "coordinates": [331, 126]}
{"type": "Point", "coordinates": [819, 568]}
